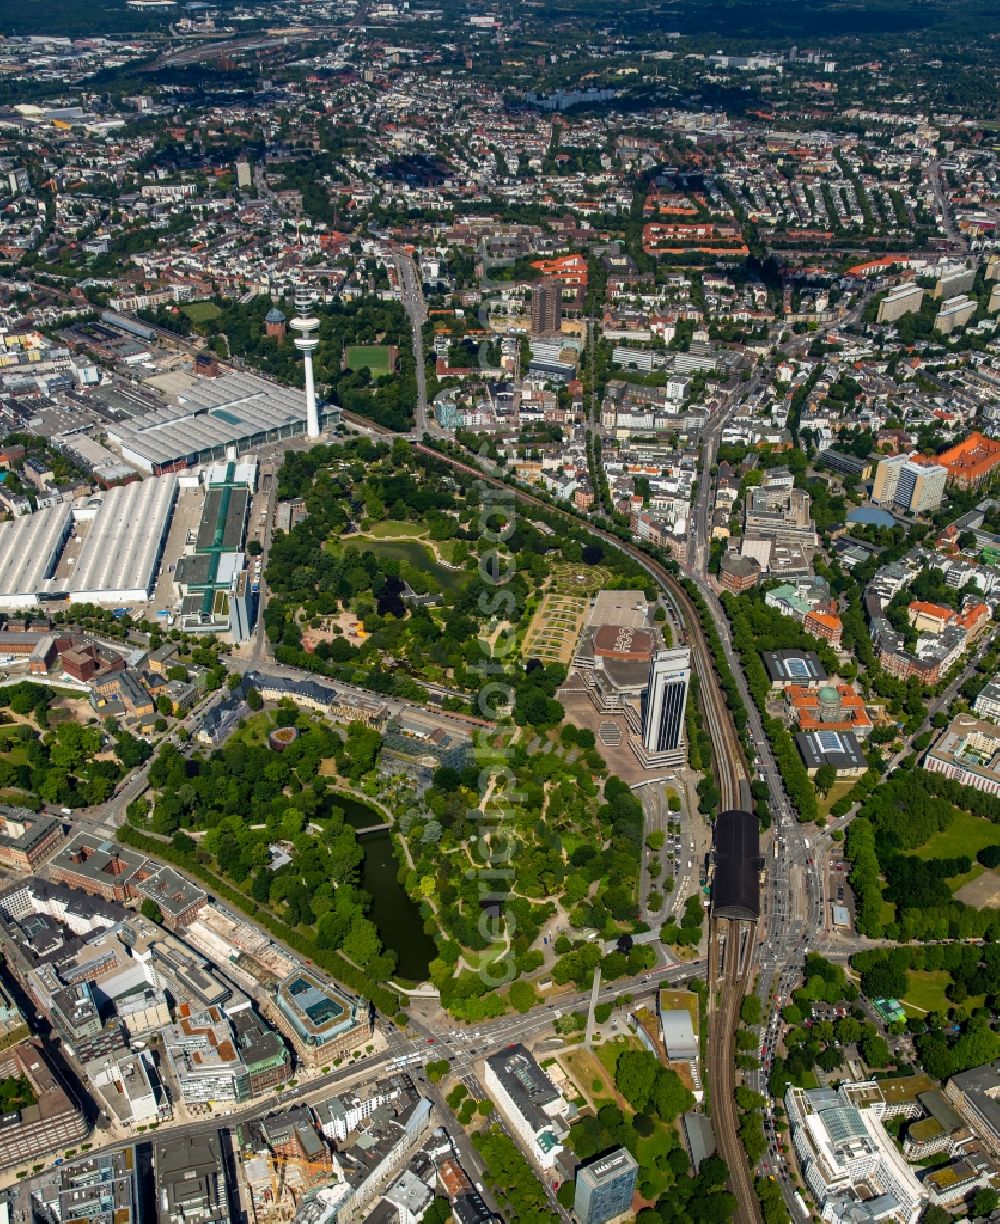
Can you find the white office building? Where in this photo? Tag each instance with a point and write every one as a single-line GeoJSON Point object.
{"type": "Point", "coordinates": [530, 1103]}
{"type": "Point", "coordinates": [846, 1155]}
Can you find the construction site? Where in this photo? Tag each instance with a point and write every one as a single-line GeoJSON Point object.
{"type": "Point", "coordinates": [283, 1158]}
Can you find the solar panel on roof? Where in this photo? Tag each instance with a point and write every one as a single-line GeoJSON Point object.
{"type": "Point", "coordinates": [830, 741]}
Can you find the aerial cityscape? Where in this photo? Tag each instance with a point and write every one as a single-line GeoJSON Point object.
{"type": "Point", "coordinates": [499, 601]}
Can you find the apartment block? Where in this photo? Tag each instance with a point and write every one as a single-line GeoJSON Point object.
{"type": "Point", "coordinates": [921, 486]}
{"type": "Point", "coordinates": [900, 301]}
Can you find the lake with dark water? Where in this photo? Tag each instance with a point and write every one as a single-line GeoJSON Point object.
{"type": "Point", "coordinates": [397, 917]}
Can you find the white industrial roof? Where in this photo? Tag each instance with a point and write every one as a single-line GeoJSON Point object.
{"type": "Point", "coordinates": [125, 541]}
{"type": "Point", "coordinates": [117, 559]}
{"type": "Point", "coordinates": [29, 550]}
{"type": "Point", "coordinates": [678, 1033]}
{"type": "Point", "coordinates": [211, 412]}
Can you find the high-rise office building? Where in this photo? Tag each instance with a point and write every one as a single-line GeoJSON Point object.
{"type": "Point", "coordinates": [900, 480]}
{"type": "Point", "coordinates": [604, 1188]}
{"type": "Point", "coordinates": [921, 486]}
{"type": "Point", "coordinates": [887, 479]}
{"type": "Point", "coordinates": [664, 702]}
{"type": "Point", "coordinates": [546, 307]}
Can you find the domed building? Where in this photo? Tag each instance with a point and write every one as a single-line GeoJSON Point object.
{"type": "Point", "coordinates": [828, 704]}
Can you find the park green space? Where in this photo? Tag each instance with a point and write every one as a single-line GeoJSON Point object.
{"type": "Point", "coordinates": [966, 834]}
{"type": "Point", "coordinates": [392, 529]}
{"type": "Point", "coordinates": [926, 991]}
{"type": "Point", "coordinates": [339, 896]}
{"type": "Point", "coordinates": [58, 752]}
{"type": "Point", "coordinates": [408, 552]}
{"type": "Point", "coordinates": [840, 788]}
{"type": "Point", "coordinates": [376, 513]}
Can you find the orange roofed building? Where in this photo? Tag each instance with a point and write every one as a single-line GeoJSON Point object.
{"type": "Point", "coordinates": [829, 708]}
{"type": "Point", "coordinates": [826, 625]}
{"type": "Point", "coordinates": [971, 463]}
{"type": "Point", "coordinates": [935, 618]}
{"type": "Point", "coordinates": [569, 269]}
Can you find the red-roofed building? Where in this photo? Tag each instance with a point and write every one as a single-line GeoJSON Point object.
{"type": "Point", "coordinates": [826, 625]}
{"type": "Point", "coordinates": [569, 269]}
{"type": "Point", "coordinates": [929, 617]}
{"type": "Point", "coordinates": [971, 463]}
{"type": "Point", "coordinates": [829, 708]}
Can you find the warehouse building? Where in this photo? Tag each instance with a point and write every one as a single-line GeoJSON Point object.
{"type": "Point", "coordinates": [104, 549]}
{"type": "Point", "coordinates": [214, 415]}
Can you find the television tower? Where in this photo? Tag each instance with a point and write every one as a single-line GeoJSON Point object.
{"type": "Point", "coordinates": [305, 323]}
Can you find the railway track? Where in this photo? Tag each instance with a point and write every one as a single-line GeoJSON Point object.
{"type": "Point", "coordinates": [732, 774]}
{"type": "Point", "coordinates": [724, 1020]}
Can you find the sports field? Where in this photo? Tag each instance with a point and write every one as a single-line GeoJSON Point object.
{"type": "Point", "coordinates": [201, 312]}
{"type": "Point", "coordinates": [374, 357]}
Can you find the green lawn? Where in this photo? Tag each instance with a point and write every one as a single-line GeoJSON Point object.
{"type": "Point", "coordinates": [608, 1051]}
{"type": "Point", "coordinates": [388, 529]}
{"type": "Point", "coordinates": [255, 729]}
{"type": "Point", "coordinates": [925, 989]}
{"type": "Point", "coordinates": [447, 549]}
{"type": "Point", "coordinates": [967, 834]}
{"type": "Point", "coordinates": [959, 881]}
{"type": "Point", "coordinates": [837, 791]}
{"type": "Point", "coordinates": [374, 357]}
{"type": "Point", "coordinates": [202, 312]}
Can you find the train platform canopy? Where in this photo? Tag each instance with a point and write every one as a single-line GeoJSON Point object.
{"type": "Point", "coordinates": [736, 887]}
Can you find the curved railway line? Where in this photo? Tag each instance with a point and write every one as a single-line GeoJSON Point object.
{"type": "Point", "coordinates": [732, 941]}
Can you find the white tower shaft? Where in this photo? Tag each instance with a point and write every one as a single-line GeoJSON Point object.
{"type": "Point", "coordinates": [312, 412]}
{"type": "Point", "coordinates": [307, 342]}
